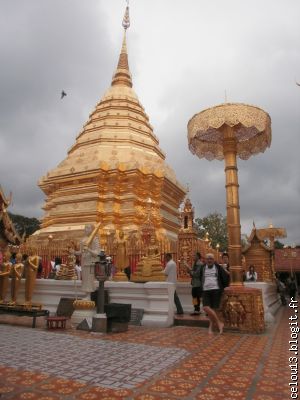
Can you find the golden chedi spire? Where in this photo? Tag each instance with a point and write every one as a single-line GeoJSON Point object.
{"type": "Point", "coordinates": [114, 166]}
{"type": "Point", "coordinates": [122, 75]}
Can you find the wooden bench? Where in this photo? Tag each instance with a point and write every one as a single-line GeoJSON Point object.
{"type": "Point", "coordinates": [24, 312]}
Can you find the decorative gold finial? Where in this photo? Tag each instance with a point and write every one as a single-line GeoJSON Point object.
{"type": "Point", "coordinates": [126, 19]}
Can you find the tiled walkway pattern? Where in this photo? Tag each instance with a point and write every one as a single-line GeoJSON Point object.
{"type": "Point", "coordinates": [99, 362]}
{"type": "Point", "coordinates": [230, 366]}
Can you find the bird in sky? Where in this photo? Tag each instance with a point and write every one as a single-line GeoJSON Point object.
{"type": "Point", "coordinates": [63, 94]}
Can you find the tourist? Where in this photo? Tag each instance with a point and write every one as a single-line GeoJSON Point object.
{"type": "Point", "coordinates": [171, 276]}
{"type": "Point", "coordinates": [281, 289]}
{"type": "Point", "coordinates": [40, 269]}
{"type": "Point", "coordinates": [292, 288]}
{"type": "Point", "coordinates": [244, 275]}
{"type": "Point", "coordinates": [78, 269]}
{"type": "Point", "coordinates": [213, 281]}
{"type": "Point", "coordinates": [13, 258]}
{"type": "Point", "coordinates": [57, 266]}
{"type": "Point", "coordinates": [196, 282]}
{"type": "Point", "coordinates": [251, 275]}
{"type": "Point", "coordinates": [225, 262]}
{"type": "Point", "coordinates": [127, 272]}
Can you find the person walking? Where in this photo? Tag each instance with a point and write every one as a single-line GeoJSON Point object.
{"type": "Point", "coordinates": [213, 281]}
{"type": "Point", "coordinates": [196, 282]}
{"type": "Point", "coordinates": [171, 276]}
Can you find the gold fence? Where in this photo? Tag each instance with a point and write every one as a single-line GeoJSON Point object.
{"type": "Point", "coordinates": [135, 250]}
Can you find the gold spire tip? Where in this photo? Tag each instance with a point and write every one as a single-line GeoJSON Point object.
{"type": "Point", "coordinates": [126, 19]}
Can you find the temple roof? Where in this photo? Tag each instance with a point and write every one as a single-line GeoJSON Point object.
{"type": "Point", "coordinates": [255, 236]}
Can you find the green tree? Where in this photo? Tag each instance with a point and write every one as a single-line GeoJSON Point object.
{"type": "Point", "coordinates": [278, 244]}
{"type": "Point", "coordinates": [216, 226]}
{"type": "Point", "coordinates": [24, 224]}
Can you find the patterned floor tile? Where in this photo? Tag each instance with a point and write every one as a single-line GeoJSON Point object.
{"type": "Point", "coordinates": [144, 364]}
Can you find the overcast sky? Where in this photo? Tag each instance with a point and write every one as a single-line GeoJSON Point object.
{"type": "Point", "coordinates": [183, 55]}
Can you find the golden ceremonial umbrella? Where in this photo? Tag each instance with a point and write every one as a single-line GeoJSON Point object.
{"type": "Point", "coordinates": [228, 131]}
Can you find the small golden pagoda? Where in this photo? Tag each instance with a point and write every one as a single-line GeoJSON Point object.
{"type": "Point", "coordinates": [114, 166]}
{"type": "Point", "coordinates": [188, 241]}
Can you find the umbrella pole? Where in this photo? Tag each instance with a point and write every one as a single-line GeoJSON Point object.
{"type": "Point", "coordinates": [233, 208]}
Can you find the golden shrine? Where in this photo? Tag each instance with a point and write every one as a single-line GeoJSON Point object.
{"type": "Point", "coordinates": [114, 166]}
{"type": "Point", "coordinates": [259, 254]}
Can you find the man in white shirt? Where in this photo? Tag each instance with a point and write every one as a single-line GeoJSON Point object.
{"type": "Point", "coordinates": [171, 276]}
{"type": "Point", "coordinates": [213, 279]}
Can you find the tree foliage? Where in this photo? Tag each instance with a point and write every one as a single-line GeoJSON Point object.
{"type": "Point", "coordinates": [216, 226]}
{"type": "Point", "coordinates": [24, 224]}
{"type": "Point", "coordinates": [278, 244]}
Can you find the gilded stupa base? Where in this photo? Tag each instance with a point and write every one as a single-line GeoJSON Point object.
{"type": "Point", "coordinates": [242, 309]}
{"type": "Point", "coordinates": [120, 276]}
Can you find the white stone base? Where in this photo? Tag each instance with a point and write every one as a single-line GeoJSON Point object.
{"type": "Point", "coordinates": [156, 298]}
{"type": "Point", "coordinates": [271, 298]}
{"type": "Point", "coordinates": [49, 291]}
{"type": "Point", "coordinates": [79, 315]}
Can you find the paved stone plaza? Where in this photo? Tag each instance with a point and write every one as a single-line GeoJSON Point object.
{"type": "Point", "coordinates": [144, 364]}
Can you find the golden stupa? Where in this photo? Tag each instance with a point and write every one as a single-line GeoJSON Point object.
{"type": "Point", "coordinates": [114, 166]}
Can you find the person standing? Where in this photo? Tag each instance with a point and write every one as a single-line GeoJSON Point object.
{"type": "Point", "coordinates": [171, 276]}
{"type": "Point", "coordinates": [195, 272]}
{"type": "Point", "coordinates": [281, 289]}
{"type": "Point", "coordinates": [213, 281]}
{"type": "Point", "coordinates": [292, 288]}
{"type": "Point", "coordinates": [225, 262]}
{"type": "Point", "coordinates": [251, 275]}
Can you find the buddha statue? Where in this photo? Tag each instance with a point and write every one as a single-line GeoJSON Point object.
{"type": "Point", "coordinates": [5, 270]}
{"type": "Point", "coordinates": [67, 271]}
{"type": "Point", "coordinates": [150, 268]}
{"type": "Point", "coordinates": [16, 276]}
{"type": "Point", "coordinates": [30, 277]}
{"type": "Point", "coordinates": [121, 259]}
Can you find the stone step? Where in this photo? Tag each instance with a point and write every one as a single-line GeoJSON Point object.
{"type": "Point", "coordinates": [191, 320]}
